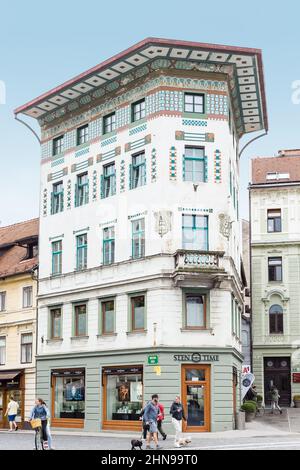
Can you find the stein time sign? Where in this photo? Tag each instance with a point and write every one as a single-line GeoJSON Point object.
{"type": "Point", "coordinates": [196, 357]}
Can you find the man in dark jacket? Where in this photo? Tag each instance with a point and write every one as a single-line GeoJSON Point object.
{"type": "Point", "coordinates": [177, 413]}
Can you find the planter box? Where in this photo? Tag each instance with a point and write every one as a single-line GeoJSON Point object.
{"type": "Point", "coordinates": [250, 417]}
{"type": "Point", "coordinates": [297, 403]}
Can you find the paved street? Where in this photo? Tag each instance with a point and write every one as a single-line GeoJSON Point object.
{"type": "Point", "coordinates": [25, 441]}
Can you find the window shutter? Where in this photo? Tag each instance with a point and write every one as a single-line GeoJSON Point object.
{"type": "Point", "coordinates": [183, 167]}
{"type": "Point", "coordinates": [62, 200]}
{"type": "Point", "coordinates": [130, 176]}
{"type": "Point", "coordinates": [76, 195]}
{"type": "Point", "coordinates": [102, 195]}
{"type": "Point", "coordinates": [205, 170]}
{"type": "Point", "coordinates": [114, 183]}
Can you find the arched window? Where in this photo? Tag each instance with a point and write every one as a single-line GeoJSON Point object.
{"type": "Point", "coordinates": [276, 320]}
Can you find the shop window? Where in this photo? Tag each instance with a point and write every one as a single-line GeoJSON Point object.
{"type": "Point", "coordinates": [124, 394]}
{"type": "Point", "coordinates": [80, 320]}
{"type": "Point", "coordinates": [274, 220]}
{"type": "Point", "coordinates": [275, 269]}
{"type": "Point", "coordinates": [27, 297]}
{"type": "Point", "coordinates": [108, 317]}
{"type": "Point", "coordinates": [55, 323]}
{"type": "Point", "coordinates": [276, 320]}
{"type": "Point", "coordinates": [69, 394]}
{"type": "Point", "coordinates": [26, 348]}
{"type": "Point", "coordinates": [195, 311]}
{"type": "Point", "coordinates": [2, 350]}
{"type": "Point", "coordinates": [195, 232]}
{"type": "Point", "coordinates": [138, 313]}
{"type": "Point", "coordinates": [2, 301]}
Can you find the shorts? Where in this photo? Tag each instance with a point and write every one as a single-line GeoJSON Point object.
{"type": "Point", "coordinates": [11, 418]}
{"type": "Point", "coordinates": [153, 427]}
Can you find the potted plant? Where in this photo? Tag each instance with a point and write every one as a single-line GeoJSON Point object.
{"type": "Point", "coordinates": [250, 409]}
{"type": "Point", "coordinates": [296, 400]}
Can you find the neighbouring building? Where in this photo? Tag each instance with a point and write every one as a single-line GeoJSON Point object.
{"type": "Point", "coordinates": [18, 286]}
{"type": "Point", "coordinates": [275, 259]}
{"type": "Point", "coordinates": [140, 287]}
{"type": "Point", "coordinates": [246, 317]}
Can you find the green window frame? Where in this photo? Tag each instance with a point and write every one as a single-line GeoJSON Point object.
{"type": "Point", "coordinates": [56, 257]}
{"type": "Point", "coordinates": [108, 245]}
{"type": "Point", "coordinates": [82, 190]}
{"type": "Point", "coordinates": [138, 238]}
{"type": "Point", "coordinates": [195, 234]}
{"type": "Point", "coordinates": [55, 323]}
{"type": "Point", "coordinates": [107, 316]}
{"type": "Point", "coordinates": [82, 134]}
{"type": "Point", "coordinates": [194, 103]}
{"type": "Point", "coordinates": [137, 170]}
{"type": "Point", "coordinates": [81, 252]}
{"type": "Point", "coordinates": [57, 198]}
{"type": "Point", "coordinates": [109, 123]}
{"type": "Point", "coordinates": [195, 165]}
{"type": "Point", "coordinates": [138, 110]}
{"type": "Point", "coordinates": [58, 145]}
{"type": "Point", "coordinates": [108, 181]}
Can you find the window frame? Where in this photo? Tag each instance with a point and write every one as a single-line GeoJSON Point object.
{"type": "Point", "coordinates": [26, 346]}
{"type": "Point", "coordinates": [132, 313]}
{"type": "Point", "coordinates": [52, 311]}
{"type": "Point", "coordinates": [82, 190]}
{"type": "Point", "coordinates": [3, 295]}
{"type": "Point", "coordinates": [76, 314]}
{"type": "Point", "coordinates": [140, 169]}
{"type": "Point", "coordinates": [54, 254]}
{"type": "Point", "coordinates": [27, 289]}
{"type": "Point", "coordinates": [194, 230]}
{"type": "Point", "coordinates": [194, 159]}
{"type": "Point", "coordinates": [274, 221]}
{"type": "Point", "coordinates": [79, 247]}
{"type": "Point", "coordinates": [3, 348]}
{"type": "Point", "coordinates": [273, 267]}
{"type": "Point", "coordinates": [111, 242]}
{"type": "Point", "coordinates": [141, 112]}
{"type": "Point", "coordinates": [141, 238]}
{"type": "Point", "coordinates": [204, 298]}
{"type": "Point", "coordinates": [276, 315]}
{"type": "Point", "coordinates": [109, 127]}
{"type": "Point", "coordinates": [82, 134]}
{"type": "Point", "coordinates": [193, 104]}
{"type": "Point", "coordinates": [57, 198]}
{"type": "Point", "coordinates": [103, 331]}
{"type": "Point", "coordinates": [109, 180]}
{"type": "Point", "coordinates": [58, 145]}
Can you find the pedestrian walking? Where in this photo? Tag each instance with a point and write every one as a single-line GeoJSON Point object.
{"type": "Point", "coordinates": [275, 400]}
{"type": "Point", "coordinates": [150, 418]}
{"type": "Point", "coordinates": [160, 418]}
{"type": "Point", "coordinates": [145, 426]}
{"type": "Point", "coordinates": [11, 412]}
{"type": "Point", "coordinates": [177, 413]}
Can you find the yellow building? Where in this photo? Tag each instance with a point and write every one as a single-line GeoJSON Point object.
{"type": "Point", "coordinates": [18, 288]}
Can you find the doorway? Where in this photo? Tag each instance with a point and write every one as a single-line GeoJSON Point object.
{"type": "Point", "coordinates": [277, 372]}
{"type": "Point", "coordinates": [196, 398]}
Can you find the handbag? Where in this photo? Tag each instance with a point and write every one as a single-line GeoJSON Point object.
{"type": "Point", "coordinates": [36, 423]}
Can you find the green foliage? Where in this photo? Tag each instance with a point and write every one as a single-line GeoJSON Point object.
{"type": "Point", "coordinates": [249, 407]}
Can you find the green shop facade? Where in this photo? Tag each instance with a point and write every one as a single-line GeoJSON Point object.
{"type": "Point", "coordinates": [107, 391]}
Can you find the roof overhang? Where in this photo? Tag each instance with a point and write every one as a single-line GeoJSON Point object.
{"type": "Point", "coordinates": [244, 66]}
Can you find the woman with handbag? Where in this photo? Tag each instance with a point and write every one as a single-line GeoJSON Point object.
{"type": "Point", "coordinates": [40, 411]}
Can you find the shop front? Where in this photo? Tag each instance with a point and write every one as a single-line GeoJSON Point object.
{"type": "Point", "coordinates": [68, 398]}
{"type": "Point", "coordinates": [122, 391]}
{"type": "Point", "coordinates": [12, 384]}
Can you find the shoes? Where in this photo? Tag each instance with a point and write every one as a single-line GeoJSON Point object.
{"type": "Point", "coordinates": [281, 412]}
{"type": "Point", "coordinates": [165, 437]}
{"type": "Point", "coordinates": [17, 428]}
{"type": "Point", "coordinates": [177, 444]}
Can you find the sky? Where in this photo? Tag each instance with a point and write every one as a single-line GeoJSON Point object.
{"type": "Point", "coordinates": [44, 44]}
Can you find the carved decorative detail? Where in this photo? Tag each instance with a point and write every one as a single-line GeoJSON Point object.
{"type": "Point", "coordinates": [163, 222]}
{"type": "Point", "coordinates": [225, 225]}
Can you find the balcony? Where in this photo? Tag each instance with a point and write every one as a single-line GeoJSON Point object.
{"type": "Point", "coordinates": [198, 268]}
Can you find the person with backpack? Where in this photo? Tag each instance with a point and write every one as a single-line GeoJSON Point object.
{"type": "Point", "coordinates": [177, 413]}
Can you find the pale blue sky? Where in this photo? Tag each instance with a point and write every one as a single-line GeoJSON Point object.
{"type": "Point", "coordinates": [44, 44]}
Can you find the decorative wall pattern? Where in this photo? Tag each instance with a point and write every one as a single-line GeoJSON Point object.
{"type": "Point", "coordinates": [138, 129]}
{"type": "Point", "coordinates": [69, 195]}
{"type": "Point", "coordinates": [194, 136]}
{"type": "Point", "coordinates": [94, 197]}
{"type": "Point", "coordinates": [82, 151]}
{"type": "Point", "coordinates": [123, 116]}
{"type": "Point", "coordinates": [138, 143]}
{"type": "Point", "coordinates": [216, 104]}
{"type": "Point", "coordinates": [57, 161]}
{"type": "Point", "coordinates": [57, 175]}
{"type": "Point", "coordinates": [45, 193]}
{"type": "Point", "coordinates": [95, 128]}
{"type": "Point", "coordinates": [173, 164]}
{"type": "Point", "coordinates": [122, 176]}
{"type": "Point", "coordinates": [109, 141]}
{"type": "Point", "coordinates": [82, 165]}
{"type": "Point", "coordinates": [153, 166]}
{"type": "Point", "coordinates": [217, 167]}
{"type": "Point", "coordinates": [194, 122]}
{"type": "Point", "coordinates": [107, 155]}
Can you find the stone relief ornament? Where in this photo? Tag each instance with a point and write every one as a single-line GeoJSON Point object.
{"type": "Point", "coordinates": [225, 225]}
{"type": "Point", "coordinates": [163, 222]}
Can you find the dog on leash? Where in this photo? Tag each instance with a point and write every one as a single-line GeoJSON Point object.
{"type": "Point", "coordinates": [136, 444]}
{"type": "Point", "coordinates": [183, 442]}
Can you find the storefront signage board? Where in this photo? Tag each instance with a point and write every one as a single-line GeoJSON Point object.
{"type": "Point", "coordinates": [152, 360]}
{"type": "Point", "coordinates": [196, 357]}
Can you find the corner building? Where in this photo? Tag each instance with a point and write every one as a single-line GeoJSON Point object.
{"type": "Point", "coordinates": [140, 286]}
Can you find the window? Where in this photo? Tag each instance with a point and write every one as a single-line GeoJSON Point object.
{"type": "Point", "coordinates": [81, 255]}
{"type": "Point", "coordinates": [80, 320]}
{"type": "Point", "coordinates": [138, 238]}
{"type": "Point", "coordinates": [55, 323]}
{"type": "Point", "coordinates": [108, 245]}
{"type": "Point", "coordinates": [2, 301]}
{"type": "Point", "coordinates": [108, 317]}
{"type": "Point", "coordinates": [194, 103]}
{"type": "Point", "coordinates": [27, 297]}
{"type": "Point", "coordinates": [138, 171]}
{"type": "Point", "coordinates": [138, 110]}
{"type": "Point", "coordinates": [275, 269]}
{"type": "Point", "coordinates": [82, 190]}
{"type": "Point", "coordinates": [32, 250]}
{"type": "Point", "coordinates": [195, 311]}
{"type": "Point", "coordinates": [109, 123]}
{"type": "Point", "coordinates": [2, 350]}
{"type": "Point", "coordinates": [26, 348]}
{"type": "Point", "coordinates": [82, 134]}
{"type": "Point", "coordinates": [56, 257]}
{"type": "Point", "coordinates": [276, 320]}
{"type": "Point", "coordinates": [57, 198]}
{"type": "Point", "coordinates": [138, 313]}
{"type": "Point", "coordinates": [108, 181]}
{"type": "Point", "coordinates": [274, 220]}
{"type": "Point", "coordinates": [69, 394]}
{"type": "Point", "coordinates": [195, 232]}
{"type": "Point", "coordinates": [58, 145]}
{"type": "Point", "coordinates": [194, 164]}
